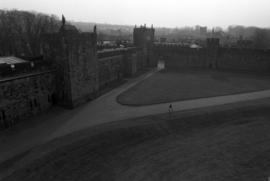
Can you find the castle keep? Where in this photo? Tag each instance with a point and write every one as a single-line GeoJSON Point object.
{"type": "Point", "coordinates": [69, 72]}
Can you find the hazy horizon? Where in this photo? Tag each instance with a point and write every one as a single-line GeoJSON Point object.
{"type": "Point", "coordinates": [160, 13]}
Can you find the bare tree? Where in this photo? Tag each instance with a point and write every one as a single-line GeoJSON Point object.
{"type": "Point", "coordinates": [21, 31]}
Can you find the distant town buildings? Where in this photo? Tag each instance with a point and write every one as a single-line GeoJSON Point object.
{"type": "Point", "coordinates": [202, 30]}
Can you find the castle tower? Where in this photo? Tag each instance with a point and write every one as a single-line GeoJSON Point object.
{"type": "Point", "coordinates": [75, 57]}
{"type": "Point", "coordinates": [143, 37]}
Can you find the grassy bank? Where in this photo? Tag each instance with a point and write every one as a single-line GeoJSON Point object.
{"type": "Point", "coordinates": [231, 143]}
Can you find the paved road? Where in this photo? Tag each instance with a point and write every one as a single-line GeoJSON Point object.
{"type": "Point", "coordinates": [60, 122]}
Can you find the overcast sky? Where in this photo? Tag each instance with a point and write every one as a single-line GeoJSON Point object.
{"type": "Point", "coordinates": [167, 13]}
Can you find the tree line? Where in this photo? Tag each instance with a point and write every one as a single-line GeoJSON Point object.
{"type": "Point", "coordinates": [20, 31]}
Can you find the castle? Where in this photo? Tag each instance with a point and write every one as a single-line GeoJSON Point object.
{"type": "Point", "coordinates": [71, 71]}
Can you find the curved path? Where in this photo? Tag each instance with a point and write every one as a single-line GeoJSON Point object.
{"type": "Point", "coordinates": [60, 122]}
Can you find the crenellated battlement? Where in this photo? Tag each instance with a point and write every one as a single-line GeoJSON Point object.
{"type": "Point", "coordinates": [168, 47]}
{"type": "Point", "coordinates": [117, 51]}
{"type": "Point", "coordinates": [172, 47]}
{"type": "Point", "coordinates": [246, 51]}
{"type": "Point", "coordinates": [143, 36]}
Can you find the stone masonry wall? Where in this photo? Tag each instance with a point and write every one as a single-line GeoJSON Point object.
{"type": "Point", "coordinates": [113, 65]}
{"type": "Point", "coordinates": [223, 58]}
{"type": "Point", "coordinates": [110, 70]}
{"type": "Point", "coordinates": [244, 59]}
{"type": "Point", "coordinates": [25, 95]}
{"type": "Point", "coordinates": [74, 55]}
{"type": "Point", "coordinates": [83, 65]}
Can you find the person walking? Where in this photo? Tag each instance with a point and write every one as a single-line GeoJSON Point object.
{"type": "Point", "coordinates": [170, 109]}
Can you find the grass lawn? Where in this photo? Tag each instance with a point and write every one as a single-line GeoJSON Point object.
{"type": "Point", "coordinates": [226, 144]}
{"type": "Point", "coordinates": [167, 86]}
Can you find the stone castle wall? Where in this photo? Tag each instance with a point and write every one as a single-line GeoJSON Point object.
{"type": "Point", "coordinates": [244, 59]}
{"type": "Point", "coordinates": [27, 91]}
{"type": "Point", "coordinates": [70, 72]}
{"type": "Point", "coordinates": [25, 95]}
{"type": "Point", "coordinates": [83, 72]}
{"type": "Point", "coordinates": [110, 70]}
{"type": "Point", "coordinates": [75, 57]}
{"type": "Point", "coordinates": [177, 57]}
{"type": "Point", "coordinates": [115, 64]}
